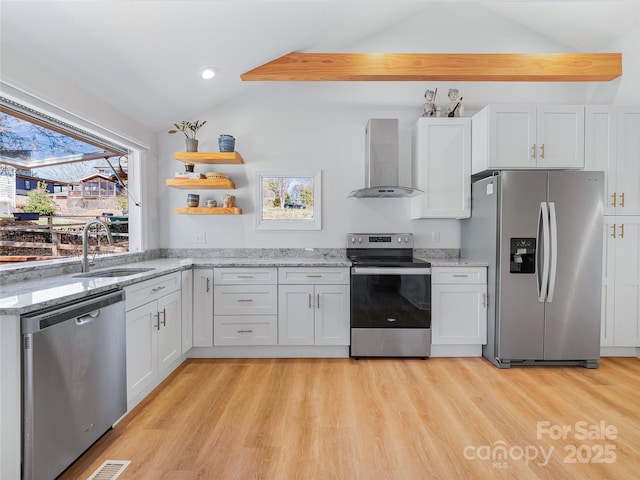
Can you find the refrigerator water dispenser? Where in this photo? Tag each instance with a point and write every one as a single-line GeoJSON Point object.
{"type": "Point", "coordinates": [523, 255]}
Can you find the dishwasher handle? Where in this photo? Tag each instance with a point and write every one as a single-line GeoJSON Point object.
{"type": "Point", "coordinates": [88, 318]}
{"type": "Point", "coordinates": [42, 319]}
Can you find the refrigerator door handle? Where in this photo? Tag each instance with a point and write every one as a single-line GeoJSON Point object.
{"type": "Point", "coordinates": [542, 282]}
{"type": "Point", "coordinates": [553, 253]}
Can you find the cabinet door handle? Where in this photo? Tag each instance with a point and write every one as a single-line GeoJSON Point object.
{"type": "Point", "coordinates": [484, 300]}
{"type": "Point", "coordinates": [613, 234]}
{"type": "Point", "coordinates": [157, 289]}
{"type": "Point", "coordinates": [245, 331]}
{"type": "Point", "coordinates": [207, 285]}
{"type": "Point", "coordinates": [309, 300]}
{"type": "Point", "coordinates": [615, 196]}
{"type": "Point", "coordinates": [164, 318]}
{"type": "Point", "coordinates": [622, 200]}
{"type": "Point", "coordinates": [534, 152]}
{"type": "Point", "coordinates": [622, 231]}
{"type": "Point", "coordinates": [542, 151]}
{"type": "Point", "coordinates": [245, 300]}
{"type": "Point", "coordinates": [318, 300]}
{"type": "Point", "coordinates": [157, 325]}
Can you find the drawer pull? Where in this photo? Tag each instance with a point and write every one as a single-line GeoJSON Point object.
{"type": "Point", "coordinates": [460, 275]}
{"type": "Point", "coordinates": [314, 276]}
{"type": "Point", "coordinates": [245, 331]}
{"type": "Point", "coordinates": [245, 276]}
{"type": "Point", "coordinates": [245, 300]}
{"type": "Point", "coordinates": [157, 289]}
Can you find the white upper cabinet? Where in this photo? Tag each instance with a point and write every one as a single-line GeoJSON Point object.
{"type": "Point", "coordinates": [612, 145]}
{"type": "Point", "coordinates": [441, 166]}
{"type": "Point", "coordinates": [528, 137]}
{"type": "Point", "coordinates": [600, 148]}
{"type": "Point", "coordinates": [628, 164]}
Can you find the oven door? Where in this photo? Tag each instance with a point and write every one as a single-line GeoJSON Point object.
{"type": "Point", "coordinates": [390, 297]}
{"type": "Point", "coordinates": [390, 312]}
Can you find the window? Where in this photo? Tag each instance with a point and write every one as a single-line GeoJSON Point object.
{"type": "Point", "coordinates": [289, 200]}
{"type": "Point", "coordinates": [62, 156]}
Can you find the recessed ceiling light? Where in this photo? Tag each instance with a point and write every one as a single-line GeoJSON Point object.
{"type": "Point", "coordinates": [209, 73]}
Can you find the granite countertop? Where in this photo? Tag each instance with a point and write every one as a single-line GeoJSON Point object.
{"type": "Point", "coordinates": [25, 296]}
{"type": "Point", "coordinates": [454, 262]}
{"type": "Point", "coordinates": [29, 295]}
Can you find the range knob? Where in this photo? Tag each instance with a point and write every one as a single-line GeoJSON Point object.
{"type": "Point", "coordinates": [353, 239]}
{"type": "Point", "coordinates": [399, 239]}
{"type": "Point", "coordinates": [359, 239]}
{"type": "Point", "coordinates": [406, 239]}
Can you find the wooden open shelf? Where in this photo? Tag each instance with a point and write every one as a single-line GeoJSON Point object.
{"type": "Point", "coordinates": [209, 157]}
{"type": "Point", "coordinates": [208, 211]}
{"type": "Point", "coordinates": [202, 183]}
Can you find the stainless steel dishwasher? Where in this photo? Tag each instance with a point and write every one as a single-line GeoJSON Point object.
{"type": "Point", "coordinates": [74, 380]}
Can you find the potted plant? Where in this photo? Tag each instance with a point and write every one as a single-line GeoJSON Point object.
{"type": "Point", "coordinates": [190, 129]}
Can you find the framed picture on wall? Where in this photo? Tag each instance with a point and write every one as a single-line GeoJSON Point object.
{"type": "Point", "coordinates": [289, 200]}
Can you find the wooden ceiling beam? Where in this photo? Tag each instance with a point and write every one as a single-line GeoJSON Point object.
{"type": "Point", "coordinates": [462, 67]}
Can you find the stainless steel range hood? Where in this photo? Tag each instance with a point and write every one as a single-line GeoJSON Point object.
{"type": "Point", "coordinates": [382, 161]}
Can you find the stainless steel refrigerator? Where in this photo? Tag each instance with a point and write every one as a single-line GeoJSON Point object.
{"type": "Point", "coordinates": [541, 233]}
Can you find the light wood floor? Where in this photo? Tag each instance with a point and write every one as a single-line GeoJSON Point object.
{"type": "Point", "coordinates": [379, 419]}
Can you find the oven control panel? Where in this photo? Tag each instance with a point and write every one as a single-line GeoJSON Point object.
{"type": "Point", "coordinates": [380, 240]}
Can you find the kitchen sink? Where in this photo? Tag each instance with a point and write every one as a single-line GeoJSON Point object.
{"type": "Point", "coordinates": [114, 272]}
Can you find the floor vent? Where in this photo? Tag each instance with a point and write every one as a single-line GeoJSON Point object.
{"type": "Point", "coordinates": [110, 470]}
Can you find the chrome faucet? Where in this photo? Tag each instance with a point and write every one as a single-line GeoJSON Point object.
{"type": "Point", "coordinates": [85, 241]}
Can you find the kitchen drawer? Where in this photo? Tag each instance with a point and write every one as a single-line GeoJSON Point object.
{"type": "Point", "coordinates": [144, 292]}
{"type": "Point", "coordinates": [313, 276]}
{"type": "Point", "coordinates": [245, 300]}
{"type": "Point", "coordinates": [244, 276]}
{"type": "Point", "coordinates": [476, 275]}
{"type": "Point", "coordinates": [245, 330]}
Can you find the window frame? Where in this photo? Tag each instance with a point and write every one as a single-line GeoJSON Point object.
{"type": "Point", "coordinates": [302, 224]}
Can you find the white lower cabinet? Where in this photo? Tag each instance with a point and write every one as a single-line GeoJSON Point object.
{"type": "Point", "coordinates": [245, 308]}
{"type": "Point", "coordinates": [313, 306]}
{"type": "Point", "coordinates": [203, 307]}
{"type": "Point", "coordinates": [458, 306]}
{"type": "Point", "coordinates": [154, 332]}
{"type": "Point", "coordinates": [187, 310]}
{"type": "Point", "coordinates": [621, 282]}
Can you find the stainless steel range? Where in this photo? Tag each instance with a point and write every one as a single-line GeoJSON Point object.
{"type": "Point", "coordinates": [390, 296]}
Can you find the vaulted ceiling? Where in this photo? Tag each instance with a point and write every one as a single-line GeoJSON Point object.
{"type": "Point", "coordinates": [144, 57]}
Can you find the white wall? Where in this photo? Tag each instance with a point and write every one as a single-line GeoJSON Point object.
{"type": "Point", "coordinates": [309, 125]}
{"type": "Point", "coordinates": [623, 90]}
